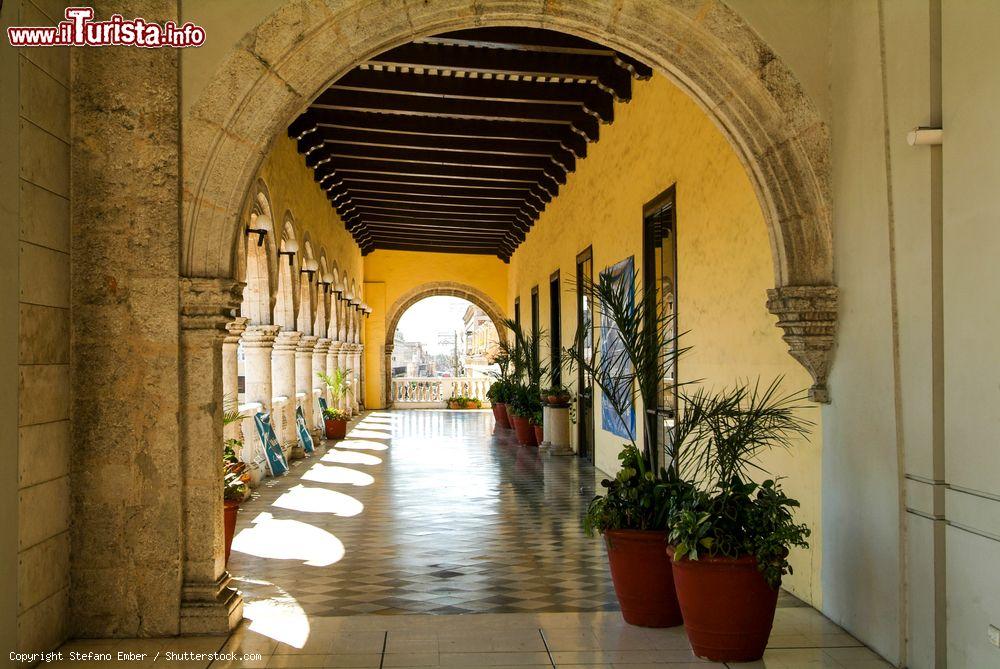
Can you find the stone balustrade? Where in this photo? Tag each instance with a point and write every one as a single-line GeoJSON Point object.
{"type": "Point", "coordinates": [433, 393]}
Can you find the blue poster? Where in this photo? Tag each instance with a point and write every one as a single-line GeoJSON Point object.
{"type": "Point", "coordinates": [305, 439]}
{"type": "Point", "coordinates": [276, 463]}
{"type": "Point", "coordinates": [611, 348]}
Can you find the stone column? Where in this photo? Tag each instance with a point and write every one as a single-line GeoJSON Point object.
{"type": "Point", "coordinates": [344, 362]}
{"type": "Point", "coordinates": [356, 376]}
{"type": "Point", "coordinates": [361, 374]}
{"type": "Point", "coordinates": [231, 370]}
{"type": "Point", "coordinates": [304, 379]}
{"type": "Point", "coordinates": [258, 342]}
{"type": "Point", "coordinates": [283, 381]}
{"type": "Point", "coordinates": [208, 604]}
{"type": "Point", "coordinates": [320, 352]}
{"type": "Point", "coordinates": [555, 439]}
{"type": "Point", "coordinates": [332, 365]}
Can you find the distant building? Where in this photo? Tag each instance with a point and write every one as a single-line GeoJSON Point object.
{"type": "Point", "coordinates": [480, 342]}
{"type": "Point", "coordinates": [409, 358]}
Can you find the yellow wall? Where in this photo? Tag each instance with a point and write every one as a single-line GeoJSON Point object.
{"type": "Point", "coordinates": [292, 188]}
{"type": "Point", "coordinates": [389, 275]}
{"type": "Point", "coordinates": [662, 139]}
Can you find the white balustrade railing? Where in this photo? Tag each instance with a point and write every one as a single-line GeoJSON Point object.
{"type": "Point", "coordinates": [418, 392]}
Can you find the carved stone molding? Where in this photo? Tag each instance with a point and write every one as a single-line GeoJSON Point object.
{"type": "Point", "coordinates": [209, 304]}
{"type": "Point", "coordinates": [808, 315]}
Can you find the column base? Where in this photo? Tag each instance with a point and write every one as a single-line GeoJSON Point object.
{"type": "Point", "coordinates": [549, 449]}
{"type": "Point", "coordinates": [210, 608]}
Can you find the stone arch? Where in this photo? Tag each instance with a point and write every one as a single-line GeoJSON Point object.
{"type": "Point", "coordinates": [705, 49]}
{"type": "Point", "coordinates": [288, 252]}
{"type": "Point", "coordinates": [257, 259]}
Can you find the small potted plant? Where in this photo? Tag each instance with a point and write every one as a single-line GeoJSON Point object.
{"type": "Point", "coordinates": [335, 420]}
{"type": "Point", "coordinates": [730, 536]}
{"type": "Point", "coordinates": [456, 402]}
{"type": "Point", "coordinates": [497, 395]}
{"type": "Point", "coordinates": [236, 489]}
{"type": "Point", "coordinates": [536, 424]}
{"type": "Point", "coordinates": [523, 405]}
{"type": "Point", "coordinates": [557, 396]}
{"type": "Point", "coordinates": [335, 423]}
{"type": "Point", "coordinates": [473, 403]}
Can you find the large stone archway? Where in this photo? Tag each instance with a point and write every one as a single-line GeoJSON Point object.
{"type": "Point", "coordinates": [707, 50]}
{"type": "Point", "coordinates": [436, 289]}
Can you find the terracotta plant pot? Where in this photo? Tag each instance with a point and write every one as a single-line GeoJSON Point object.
{"type": "Point", "coordinates": [230, 510]}
{"type": "Point", "coordinates": [728, 607]}
{"type": "Point", "coordinates": [335, 429]}
{"type": "Point", "coordinates": [643, 580]}
{"type": "Point", "coordinates": [454, 405]}
{"type": "Point", "coordinates": [539, 433]}
{"type": "Point", "coordinates": [557, 400]}
{"type": "Point", "coordinates": [510, 416]}
{"type": "Point", "coordinates": [500, 415]}
{"type": "Point", "coordinates": [471, 405]}
{"type": "Point", "coordinates": [524, 431]}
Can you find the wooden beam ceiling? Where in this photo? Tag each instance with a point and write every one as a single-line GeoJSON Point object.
{"type": "Point", "coordinates": [457, 142]}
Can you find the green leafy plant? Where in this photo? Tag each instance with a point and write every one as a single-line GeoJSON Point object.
{"type": "Point", "coordinates": [338, 382]}
{"type": "Point", "coordinates": [536, 418]}
{"type": "Point", "coordinates": [332, 413]}
{"type": "Point", "coordinates": [524, 401]}
{"type": "Point", "coordinates": [499, 392]}
{"type": "Point", "coordinates": [236, 477]}
{"type": "Point", "coordinates": [719, 509]}
{"type": "Point", "coordinates": [635, 499]}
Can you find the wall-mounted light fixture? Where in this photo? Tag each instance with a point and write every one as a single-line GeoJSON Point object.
{"type": "Point", "coordinates": [925, 137]}
{"type": "Point", "coordinates": [260, 232]}
{"type": "Point", "coordinates": [310, 267]}
{"type": "Point", "coordinates": [289, 247]}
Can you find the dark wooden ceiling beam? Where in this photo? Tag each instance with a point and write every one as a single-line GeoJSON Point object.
{"type": "Point", "coordinates": [513, 131]}
{"type": "Point", "coordinates": [342, 137]}
{"type": "Point", "coordinates": [337, 187]}
{"type": "Point", "coordinates": [594, 100]}
{"type": "Point", "coordinates": [388, 102]}
{"type": "Point", "coordinates": [601, 69]}
{"type": "Point", "coordinates": [432, 248]}
{"type": "Point", "coordinates": [544, 164]}
{"type": "Point", "coordinates": [456, 174]}
{"type": "Point", "coordinates": [361, 204]}
{"type": "Point", "coordinates": [471, 224]}
{"type": "Point", "coordinates": [541, 40]}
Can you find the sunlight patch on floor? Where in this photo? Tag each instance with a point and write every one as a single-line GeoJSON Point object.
{"type": "Point", "coordinates": [362, 445]}
{"type": "Point", "coordinates": [279, 618]}
{"type": "Point", "coordinates": [321, 473]}
{"type": "Point", "coordinates": [349, 458]}
{"type": "Point", "coordinates": [289, 540]}
{"type": "Point", "coordinates": [319, 500]}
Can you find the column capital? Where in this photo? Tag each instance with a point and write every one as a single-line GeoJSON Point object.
{"type": "Point", "coordinates": [208, 304]}
{"type": "Point", "coordinates": [808, 315]}
{"type": "Point", "coordinates": [336, 346]}
{"type": "Point", "coordinates": [235, 329]}
{"type": "Point", "coordinates": [260, 336]}
{"type": "Point", "coordinates": [287, 340]}
{"type": "Point", "coordinates": [322, 345]}
{"type": "Point", "coordinates": [306, 343]}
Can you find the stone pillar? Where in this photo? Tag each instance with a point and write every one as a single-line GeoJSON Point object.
{"type": "Point", "coordinates": [356, 376]}
{"type": "Point", "coordinates": [283, 381]}
{"type": "Point", "coordinates": [344, 362]}
{"type": "Point", "coordinates": [555, 426]}
{"type": "Point", "coordinates": [258, 342]}
{"type": "Point", "coordinates": [808, 315]}
{"type": "Point", "coordinates": [231, 370]}
{"type": "Point", "coordinates": [361, 374]}
{"type": "Point", "coordinates": [304, 379]}
{"type": "Point", "coordinates": [208, 604]}
{"type": "Point", "coordinates": [320, 352]}
{"type": "Point", "coordinates": [333, 364]}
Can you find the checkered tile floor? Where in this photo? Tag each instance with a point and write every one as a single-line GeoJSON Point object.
{"type": "Point", "coordinates": [424, 512]}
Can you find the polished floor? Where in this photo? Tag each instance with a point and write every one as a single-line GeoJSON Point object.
{"type": "Point", "coordinates": [351, 559]}
{"type": "Point", "coordinates": [424, 512]}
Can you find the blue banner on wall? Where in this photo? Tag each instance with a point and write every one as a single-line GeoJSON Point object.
{"type": "Point", "coordinates": [305, 439]}
{"type": "Point", "coordinates": [621, 273]}
{"type": "Point", "coordinates": [276, 463]}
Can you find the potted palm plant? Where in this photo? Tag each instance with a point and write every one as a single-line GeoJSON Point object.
{"type": "Point", "coordinates": [536, 424]}
{"type": "Point", "coordinates": [528, 371]}
{"type": "Point", "coordinates": [236, 477]}
{"type": "Point", "coordinates": [334, 419]}
{"type": "Point", "coordinates": [500, 390]}
{"type": "Point", "coordinates": [632, 514]}
{"type": "Point", "coordinates": [730, 536]}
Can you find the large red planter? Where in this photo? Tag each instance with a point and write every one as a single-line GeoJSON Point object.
{"type": "Point", "coordinates": [728, 607]}
{"type": "Point", "coordinates": [230, 510]}
{"type": "Point", "coordinates": [643, 579]}
{"type": "Point", "coordinates": [500, 415]}
{"type": "Point", "coordinates": [539, 433]}
{"type": "Point", "coordinates": [335, 429]}
{"type": "Point", "coordinates": [524, 431]}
